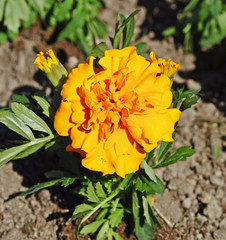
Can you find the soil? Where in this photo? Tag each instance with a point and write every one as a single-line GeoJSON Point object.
{"type": "Point", "coordinates": [193, 205]}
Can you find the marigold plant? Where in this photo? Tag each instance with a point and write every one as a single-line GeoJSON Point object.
{"type": "Point", "coordinates": [119, 112]}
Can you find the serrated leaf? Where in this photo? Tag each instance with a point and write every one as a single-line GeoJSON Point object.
{"type": "Point", "coordinates": [68, 181]}
{"type": "Point", "coordinates": [116, 217]}
{"type": "Point", "coordinates": [16, 124]}
{"type": "Point", "coordinates": [153, 187]}
{"type": "Point", "coordinates": [181, 154]}
{"type": "Point", "coordinates": [48, 110]}
{"type": "Point", "coordinates": [92, 227]}
{"type": "Point", "coordinates": [149, 171]}
{"type": "Point", "coordinates": [30, 118]}
{"type": "Point", "coordinates": [187, 103]}
{"type": "Point", "coordinates": [116, 236]}
{"type": "Point", "coordinates": [100, 191]}
{"type": "Point", "coordinates": [82, 208]}
{"type": "Point", "coordinates": [39, 187]}
{"type": "Point", "coordinates": [91, 195]}
{"type": "Point", "coordinates": [63, 10]}
{"type": "Point", "coordinates": [149, 155]}
{"type": "Point", "coordinates": [15, 11]}
{"type": "Point", "coordinates": [102, 232]}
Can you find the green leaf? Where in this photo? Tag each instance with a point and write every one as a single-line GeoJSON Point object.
{"type": "Point", "coordinates": [82, 208]}
{"type": "Point", "coordinates": [30, 150]}
{"type": "Point", "coordinates": [39, 187]}
{"type": "Point", "coordinates": [181, 154]}
{"type": "Point", "coordinates": [149, 171]}
{"type": "Point", "coordinates": [103, 231]}
{"type": "Point", "coordinates": [118, 34]}
{"type": "Point", "coordinates": [91, 195]}
{"type": "Point", "coordinates": [20, 99]}
{"type": "Point", "coordinates": [15, 11]}
{"type": "Point", "coordinates": [191, 5]}
{"type": "Point", "coordinates": [187, 103]}
{"type": "Point", "coordinates": [146, 210]}
{"type": "Point", "coordinates": [92, 227]}
{"type": "Point", "coordinates": [3, 38]}
{"type": "Point", "coordinates": [22, 150]}
{"type": "Point", "coordinates": [141, 47]}
{"type": "Point", "coordinates": [30, 118]}
{"type": "Point", "coordinates": [116, 236]}
{"type": "Point", "coordinates": [216, 8]}
{"type": "Point", "coordinates": [163, 150]}
{"type": "Point", "coordinates": [2, 8]}
{"type": "Point", "coordinates": [157, 187]}
{"type": "Point", "coordinates": [38, 5]}
{"type": "Point", "coordinates": [102, 214]}
{"type": "Point", "coordinates": [16, 124]}
{"type": "Point", "coordinates": [77, 21]}
{"type": "Point", "coordinates": [47, 108]}
{"type": "Point", "coordinates": [64, 10]}
{"type": "Point", "coordinates": [169, 31]}
{"type": "Point", "coordinates": [129, 30]}
{"type": "Point", "coordinates": [116, 217]}
{"type": "Point", "coordinates": [99, 50]}
{"type": "Point", "coordinates": [135, 208]}
{"type": "Point", "coordinates": [100, 191]}
{"type": "Point", "coordinates": [68, 181]}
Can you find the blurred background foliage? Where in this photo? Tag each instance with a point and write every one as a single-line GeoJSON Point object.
{"type": "Point", "coordinates": [71, 19]}
{"type": "Point", "coordinates": [201, 21]}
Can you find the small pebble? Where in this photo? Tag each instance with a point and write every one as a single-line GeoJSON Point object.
{"type": "Point", "coordinates": [216, 180]}
{"type": "Point", "coordinates": [205, 198]}
{"type": "Point", "coordinates": [187, 203]}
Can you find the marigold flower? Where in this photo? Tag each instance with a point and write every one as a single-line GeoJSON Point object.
{"type": "Point", "coordinates": [52, 67]}
{"type": "Point", "coordinates": [168, 67]}
{"type": "Point", "coordinates": [112, 111]}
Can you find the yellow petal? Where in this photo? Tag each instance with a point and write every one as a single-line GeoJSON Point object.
{"type": "Point", "coordinates": [69, 148]}
{"type": "Point", "coordinates": [158, 125]}
{"type": "Point", "coordinates": [80, 112]}
{"type": "Point", "coordinates": [62, 121]}
{"type": "Point", "coordinates": [156, 91]}
{"type": "Point", "coordinates": [75, 80]}
{"type": "Point", "coordinates": [86, 140]}
{"type": "Point", "coordinates": [100, 160]}
{"type": "Point", "coordinates": [129, 154]}
{"type": "Point", "coordinates": [127, 52]}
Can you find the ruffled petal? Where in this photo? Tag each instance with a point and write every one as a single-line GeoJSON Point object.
{"type": "Point", "coordinates": [86, 140]}
{"type": "Point", "coordinates": [129, 154]}
{"type": "Point", "coordinates": [62, 121]}
{"type": "Point", "coordinates": [76, 79]}
{"type": "Point", "coordinates": [158, 125]}
{"type": "Point", "coordinates": [100, 160]}
{"type": "Point", "coordinates": [80, 112]}
{"type": "Point", "coordinates": [155, 89]}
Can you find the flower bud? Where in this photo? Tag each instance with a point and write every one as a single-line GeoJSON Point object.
{"type": "Point", "coordinates": [52, 67]}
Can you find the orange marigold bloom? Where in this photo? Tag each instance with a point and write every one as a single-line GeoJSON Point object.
{"type": "Point", "coordinates": [111, 112]}
{"type": "Point", "coordinates": [168, 67]}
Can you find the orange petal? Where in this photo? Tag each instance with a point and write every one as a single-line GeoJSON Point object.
{"type": "Point", "coordinates": [129, 154]}
{"type": "Point", "coordinates": [100, 159]}
{"type": "Point", "coordinates": [83, 139]}
{"type": "Point", "coordinates": [80, 112]}
{"type": "Point", "coordinates": [69, 148]}
{"type": "Point", "coordinates": [127, 52]}
{"type": "Point", "coordinates": [75, 80]}
{"type": "Point", "coordinates": [158, 125]}
{"type": "Point", "coordinates": [156, 91]}
{"type": "Point", "coordinates": [62, 121]}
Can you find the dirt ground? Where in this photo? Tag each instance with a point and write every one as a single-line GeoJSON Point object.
{"type": "Point", "coordinates": [193, 206]}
